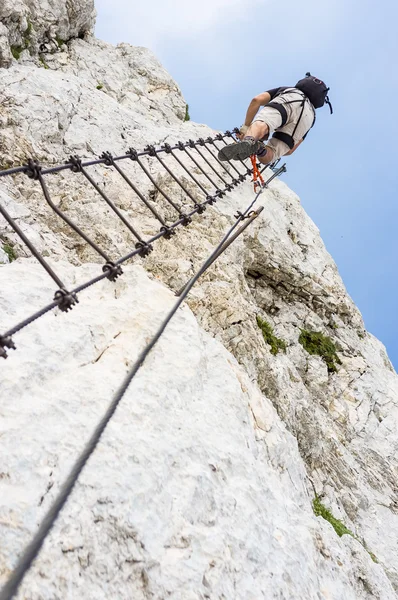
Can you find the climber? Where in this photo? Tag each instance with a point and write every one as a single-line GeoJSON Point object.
{"type": "Point", "coordinates": [288, 111]}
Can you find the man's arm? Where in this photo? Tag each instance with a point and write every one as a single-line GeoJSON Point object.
{"type": "Point", "coordinates": [294, 148]}
{"type": "Point", "coordinates": [260, 100]}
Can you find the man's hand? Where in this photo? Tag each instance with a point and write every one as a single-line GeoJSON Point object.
{"type": "Point", "coordinates": [242, 132]}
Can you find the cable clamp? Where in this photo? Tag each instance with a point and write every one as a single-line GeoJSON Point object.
{"type": "Point", "coordinates": [144, 248]}
{"type": "Point", "coordinates": [185, 220]}
{"type": "Point", "coordinates": [242, 217]}
{"type": "Point", "coordinates": [151, 150]}
{"type": "Point", "coordinates": [76, 164]}
{"type": "Point", "coordinates": [107, 158]}
{"type": "Point", "coordinates": [112, 271]}
{"type": "Point", "coordinates": [200, 208]}
{"type": "Point", "coordinates": [65, 299]}
{"type": "Point", "coordinates": [168, 232]}
{"type": "Point", "coordinates": [33, 169]}
{"type": "Point", "coordinates": [132, 153]}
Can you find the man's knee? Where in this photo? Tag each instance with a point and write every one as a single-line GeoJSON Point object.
{"type": "Point", "coordinates": [259, 130]}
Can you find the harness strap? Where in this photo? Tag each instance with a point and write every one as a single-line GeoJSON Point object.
{"type": "Point", "coordinates": [281, 109]}
{"type": "Point", "coordinates": [284, 137]}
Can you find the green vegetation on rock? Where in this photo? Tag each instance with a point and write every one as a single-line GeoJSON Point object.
{"type": "Point", "coordinates": [271, 339]}
{"type": "Point", "coordinates": [17, 50]}
{"type": "Point", "coordinates": [100, 86]}
{"type": "Point", "coordinates": [9, 250]}
{"type": "Point", "coordinates": [187, 117]}
{"type": "Point", "coordinates": [59, 41]}
{"type": "Point", "coordinates": [43, 62]}
{"type": "Point", "coordinates": [321, 345]}
{"type": "Point", "coordinates": [321, 511]}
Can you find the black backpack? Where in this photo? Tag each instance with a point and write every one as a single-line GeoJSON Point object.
{"type": "Point", "coordinates": [315, 90]}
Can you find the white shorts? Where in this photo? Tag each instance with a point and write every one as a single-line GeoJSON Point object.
{"type": "Point", "coordinates": [272, 117]}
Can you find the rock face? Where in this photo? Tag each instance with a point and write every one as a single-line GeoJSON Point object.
{"type": "Point", "coordinates": [202, 486]}
{"type": "Point", "coordinates": [30, 27]}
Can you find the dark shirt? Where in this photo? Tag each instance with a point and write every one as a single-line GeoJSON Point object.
{"type": "Point", "coordinates": [275, 91]}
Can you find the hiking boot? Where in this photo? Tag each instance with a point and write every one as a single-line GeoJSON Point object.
{"type": "Point", "coordinates": [240, 150]}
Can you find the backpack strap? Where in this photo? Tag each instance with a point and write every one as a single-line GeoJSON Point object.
{"type": "Point", "coordinates": [299, 119]}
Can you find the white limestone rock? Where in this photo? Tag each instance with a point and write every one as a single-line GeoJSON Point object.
{"type": "Point", "coordinates": [5, 50]}
{"type": "Point", "coordinates": [196, 489]}
{"type": "Point", "coordinates": [3, 257]}
{"type": "Point", "coordinates": [30, 27]}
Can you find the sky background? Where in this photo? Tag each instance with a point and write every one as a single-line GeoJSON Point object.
{"type": "Point", "coordinates": [223, 52]}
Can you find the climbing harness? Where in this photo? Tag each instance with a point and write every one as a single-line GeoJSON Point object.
{"type": "Point", "coordinates": [312, 90]}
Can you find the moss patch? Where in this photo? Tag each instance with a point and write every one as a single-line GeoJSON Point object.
{"type": "Point", "coordinates": [100, 86]}
{"type": "Point", "coordinates": [9, 250]}
{"type": "Point", "coordinates": [187, 117]}
{"type": "Point", "coordinates": [321, 345]}
{"type": "Point", "coordinates": [16, 51]}
{"type": "Point", "coordinates": [271, 339]}
{"type": "Point", "coordinates": [43, 62]}
{"type": "Point", "coordinates": [59, 41]}
{"type": "Point", "coordinates": [321, 511]}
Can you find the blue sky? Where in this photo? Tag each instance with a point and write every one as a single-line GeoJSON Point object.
{"type": "Point", "coordinates": [223, 52]}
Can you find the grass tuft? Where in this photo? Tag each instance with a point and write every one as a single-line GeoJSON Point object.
{"type": "Point", "coordinates": [59, 41]}
{"type": "Point", "coordinates": [271, 339]}
{"type": "Point", "coordinates": [9, 250]}
{"type": "Point", "coordinates": [43, 62]}
{"type": "Point", "coordinates": [16, 51]}
{"type": "Point", "coordinates": [321, 511]}
{"type": "Point", "coordinates": [321, 345]}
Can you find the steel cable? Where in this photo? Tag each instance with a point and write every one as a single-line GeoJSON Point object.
{"type": "Point", "coordinates": [33, 548]}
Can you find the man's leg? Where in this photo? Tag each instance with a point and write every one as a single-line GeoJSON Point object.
{"type": "Point", "coordinates": [257, 130]}
{"type": "Point", "coordinates": [249, 143]}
